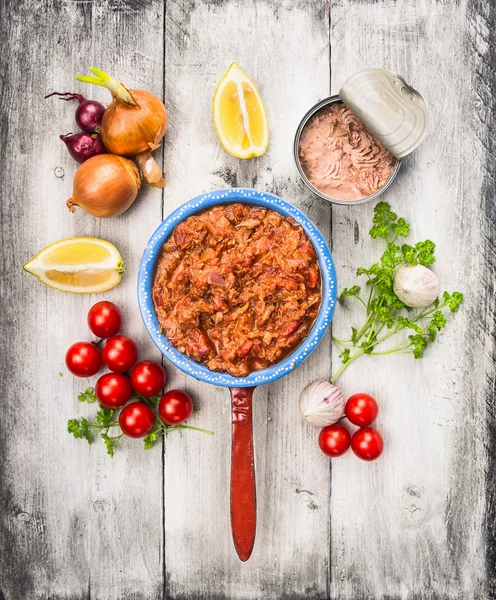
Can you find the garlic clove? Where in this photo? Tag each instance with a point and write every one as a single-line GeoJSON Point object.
{"type": "Point", "coordinates": [416, 285]}
{"type": "Point", "coordinates": [321, 403]}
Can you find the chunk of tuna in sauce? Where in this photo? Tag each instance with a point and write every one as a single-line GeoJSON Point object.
{"type": "Point", "coordinates": [237, 287]}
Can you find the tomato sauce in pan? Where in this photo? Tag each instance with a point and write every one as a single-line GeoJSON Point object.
{"type": "Point", "coordinates": [237, 287]}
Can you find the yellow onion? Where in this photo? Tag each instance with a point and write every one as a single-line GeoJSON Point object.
{"type": "Point", "coordinates": [134, 122]}
{"type": "Point", "coordinates": [128, 129]}
{"type": "Point", "coordinates": [105, 186]}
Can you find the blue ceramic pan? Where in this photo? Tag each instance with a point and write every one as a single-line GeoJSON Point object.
{"type": "Point", "coordinates": [243, 499]}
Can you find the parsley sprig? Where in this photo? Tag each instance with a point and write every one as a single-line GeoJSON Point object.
{"type": "Point", "coordinates": [385, 314]}
{"type": "Point", "coordinates": [107, 418]}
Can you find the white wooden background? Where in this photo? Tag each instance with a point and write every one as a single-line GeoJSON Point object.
{"type": "Point", "coordinates": [418, 523]}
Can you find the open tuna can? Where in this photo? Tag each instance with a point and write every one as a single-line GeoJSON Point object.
{"type": "Point", "coordinates": [348, 148]}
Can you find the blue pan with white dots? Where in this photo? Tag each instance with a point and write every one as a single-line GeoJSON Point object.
{"type": "Point", "coordinates": [243, 506]}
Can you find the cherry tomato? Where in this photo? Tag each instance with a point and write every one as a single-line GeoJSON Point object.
{"type": "Point", "coordinates": [104, 319]}
{"type": "Point", "coordinates": [113, 390]}
{"type": "Point", "coordinates": [119, 353]}
{"type": "Point", "coordinates": [367, 443]}
{"type": "Point", "coordinates": [83, 359]}
{"type": "Point", "coordinates": [136, 419]}
{"type": "Point", "coordinates": [361, 409]}
{"type": "Point", "coordinates": [334, 440]}
{"type": "Point", "coordinates": [175, 407]}
{"type": "Point", "coordinates": [148, 378]}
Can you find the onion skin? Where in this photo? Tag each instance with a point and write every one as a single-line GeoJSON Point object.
{"type": "Point", "coordinates": [105, 186]}
{"type": "Point", "coordinates": [82, 146]}
{"type": "Point", "coordinates": [129, 129]}
{"type": "Point", "coordinates": [89, 115]}
{"type": "Point", "coordinates": [321, 403]}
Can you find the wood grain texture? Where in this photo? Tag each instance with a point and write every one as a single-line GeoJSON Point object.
{"type": "Point", "coordinates": [422, 505]}
{"type": "Point", "coordinates": [74, 523]}
{"type": "Point", "coordinates": [417, 525]}
{"type": "Point", "coordinates": [480, 48]}
{"type": "Point", "coordinates": [293, 485]}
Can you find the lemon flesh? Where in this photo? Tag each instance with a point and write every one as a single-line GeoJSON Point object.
{"type": "Point", "coordinates": [79, 265]}
{"type": "Point", "coordinates": [239, 115]}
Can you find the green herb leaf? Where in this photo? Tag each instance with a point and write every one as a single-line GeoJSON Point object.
{"type": "Point", "coordinates": [153, 400]}
{"type": "Point", "coordinates": [149, 440]}
{"type": "Point", "coordinates": [345, 355]}
{"type": "Point", "coordinates": [110, 443]}
{"type": "Point", "coordinates": [401, 227]}
{"type": "Point", "coordinates": [386, 314]}
{"type": "Point", "coordinates": [418, 345]}
{"type": "Point", "coordinates": [353, 291]}
{"type": "Point", "coordinates": [453, 300]}
{"type": "Point", "coordinates": [104, 416]}
{"type": "Point", "coordinates": [87, 396]}
{"type": "Point", "coordinates": [425, 252]}
{"type": "Point", "coordinates": [386, 223]}
{"type": "Point", "coordinates": [80, 429]}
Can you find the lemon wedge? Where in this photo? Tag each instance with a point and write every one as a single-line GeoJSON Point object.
{"type": "Point", "coordinates": [239, 115]}
{"type": "Point", "coordinates": [82, 265]}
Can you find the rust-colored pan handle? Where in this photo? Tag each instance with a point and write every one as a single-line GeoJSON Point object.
{"type": "Point", "coordinates": [243, 495]}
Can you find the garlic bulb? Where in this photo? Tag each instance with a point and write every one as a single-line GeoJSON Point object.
{"type": "Point", "coordinates": [321, 403]}
{"type": "Point", "coordinates": [416, 285]}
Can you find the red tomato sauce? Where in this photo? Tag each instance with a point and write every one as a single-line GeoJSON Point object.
{"type": "Point", "coordinates": [237, 287]}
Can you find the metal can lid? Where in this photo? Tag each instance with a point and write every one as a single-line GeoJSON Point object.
{"type": "Point", "coordinates": [388, 107]}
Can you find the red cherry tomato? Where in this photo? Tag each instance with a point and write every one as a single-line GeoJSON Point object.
{"type": "Point", "coordinates": [136, 419]}
{"type": "Point", "coordinates": [148, 378]}
{"type": "Point", "coordinates": [361, 409]}
{"type": "Point", "coordinates": [104, 319]}
{"type": "Point", "coordinates": [367, 443]}
{"type": "Point", "coordinates": [334, 440]}
{"type": "Point", "coordinates": [119, 353]}
{"type": "Point", "coordinates": [83, 359]}
{"type": "Point", "coordinates": [175, 407]}
{"type": "Point", "coordinates": [113, 390]}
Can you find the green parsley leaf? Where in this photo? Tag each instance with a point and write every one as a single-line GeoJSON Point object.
{"type": "Point", "coordinates": [386, 224]}
{"type": "Point", "coordinates": [80, 429]}
{"type": "Point", "coordinates": [345, 355]}
{"type": "Point", "coordinates": [87, 396]}
{"type": "Point", "coordinates": [453, 300]}
{"type": "Point", "coordinates": [425, 252]}
{"type": "Point", "coordinates": [110, 443]}
{"type": "Point", "coordinates": [401, 227]}
{"type": "Point", "coordinates": [386, 314]}
{"type": "Point", "coordinates": [149, 440]}
{"type": "Point", "coordinates": [347, 292]}
{"type": "Point", "coordinates": [154, 400]}
{"type": "Point", "coordinates": [104, 416]}
{"type": "Point", "coordinates": [418, 344]}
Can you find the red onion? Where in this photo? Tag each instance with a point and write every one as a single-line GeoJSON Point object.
{"type": "Point", "coordinates": [82, 146]}
{"type": "Point", "coordinates": [89, 113]}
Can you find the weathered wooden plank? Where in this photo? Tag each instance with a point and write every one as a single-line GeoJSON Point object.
{"type": "Point", "coordinates": [416, 524]}
{"type": "Point", "coordinates": [410, 525]}
{"type": "Point", "coordinates": [75, 524]}
{"type": "Point", "coordinates": [284, 47]}
{"type": "Point", "coordinates": [480, 48]}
